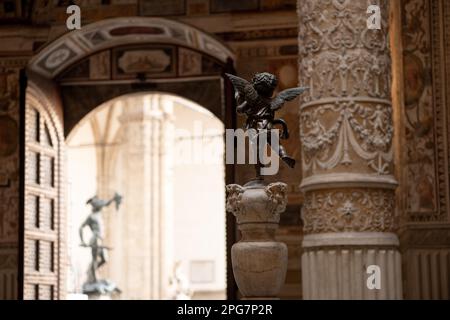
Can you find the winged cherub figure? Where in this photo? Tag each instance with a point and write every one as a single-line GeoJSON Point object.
{"type": "Point", "coordinates": [255, 100]}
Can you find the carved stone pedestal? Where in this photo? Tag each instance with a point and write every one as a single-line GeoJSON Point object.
{"type": "Point", "coordinates": [259, 262]}
{"type": "Point", "coordinates": [99, 297]}
{"type": "Point", "coordinates": [77, 296]}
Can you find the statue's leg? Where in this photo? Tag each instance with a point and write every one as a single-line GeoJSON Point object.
{"type": "Point", "coordinates": [285, 131]}
{"type": "Point", "coordinates": [102, 258]}
{"type": "Point", "coordinates": [254, 146]}
{"type": "Point", "coordinates": [93, 266]}
{"type": "Point", "coordinates": [282, 153]}
{"type": "Point", "coordinates": [286, 158]}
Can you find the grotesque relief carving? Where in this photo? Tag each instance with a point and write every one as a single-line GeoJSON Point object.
{"type": "Point", "coordinates": [346, 116]}
{"type": "Point", "coordinates": [234, 196]}
{"type": "Point", "coordinates": [339, 55]}
{"type": "Point", "coordinates": [277, 193]}
{"type": "Point", "coordinates": [346, 121]}
{"type": "Point", "coordinates": [368, 130]}
{"type": "Point", "coordinates": [349, 210]}
{"type": "Point", "coordinates": [273, 200]}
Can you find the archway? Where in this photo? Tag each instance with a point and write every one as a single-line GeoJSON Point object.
{"type": "Point", "coordinates": [149, 148]}
{"type": "Point", "coordinates": [85, 68]}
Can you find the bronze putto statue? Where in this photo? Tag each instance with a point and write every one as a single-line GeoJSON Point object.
{"type": "Point", "coordinates": [255, 100]}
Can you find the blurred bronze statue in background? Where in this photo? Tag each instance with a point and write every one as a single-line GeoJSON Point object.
{"type": "Point", "coordinates": [98, 251]}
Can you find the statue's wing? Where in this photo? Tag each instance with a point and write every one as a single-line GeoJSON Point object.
{"type": "Point", "coordinates": [243, 87]}
{"type": "Point", "coordinates": [286, 95]}
{"type": "Point", "coordinates": [238, 83]}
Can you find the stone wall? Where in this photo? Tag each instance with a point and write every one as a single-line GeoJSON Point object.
{"type": "Point", "coordinates": [424, 165]}
{"type": "Point", "coordinates": [9, 174]}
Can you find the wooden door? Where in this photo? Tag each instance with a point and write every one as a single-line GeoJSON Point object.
{"type": "Point", "coordinates": [43, 220]}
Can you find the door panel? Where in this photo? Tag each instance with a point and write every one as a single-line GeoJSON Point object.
{"type": "Point", "coordinates": [43, 236]}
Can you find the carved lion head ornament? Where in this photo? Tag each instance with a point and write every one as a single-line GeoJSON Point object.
{"type": "Point", "coordinates": [276, 197]}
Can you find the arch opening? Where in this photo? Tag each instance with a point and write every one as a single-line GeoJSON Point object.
{"type": "Point", "coordinates": [149, 147]}
{"type": "Point", "coordinates": [87, 75]}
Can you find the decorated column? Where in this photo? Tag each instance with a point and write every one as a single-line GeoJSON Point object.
{"type": "Point", "coordinates": [148, 164]}
{"type": "Point", "coordinates": [350, 248]}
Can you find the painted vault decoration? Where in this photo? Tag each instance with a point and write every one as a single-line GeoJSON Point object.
{"type": "Point", "coordinates": [108, 33]}
{"type": "Point", "coordinates": [152, 62]}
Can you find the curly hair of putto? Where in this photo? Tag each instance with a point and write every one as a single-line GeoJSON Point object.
{"type": "Point", "coordinates": [265, 78]}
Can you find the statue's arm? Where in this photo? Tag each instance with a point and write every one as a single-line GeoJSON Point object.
{"type": "Point", "coordinates": [117, 199]}
{"type": "Point", "coordinates": [242, 107]}
{"type": "Point", "coordinates": [80, 231]}
{"type": "Point", "coordinates": [109, 201]}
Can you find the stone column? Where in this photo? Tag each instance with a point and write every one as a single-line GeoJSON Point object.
{"type": "Point", "coordinates": [147, 132]}
{"type": "Point", "coordinates": [259, 262]}
{"type": "Point", "coordinates": [346, 132]}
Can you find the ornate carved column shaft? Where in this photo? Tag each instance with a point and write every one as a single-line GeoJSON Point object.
{"type": "Point", "coordinates": [346, 132]}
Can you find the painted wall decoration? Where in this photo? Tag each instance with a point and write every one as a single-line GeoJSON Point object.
{"type": "Point", "coordinates": [9, 151]}
{"type": "Point", "coordinates": [189, 62]}
{"type": "Point", "coordinates": [11, 9]}
{"type": "Point", "coordinates": [278, 4]}
{"type": "Point", "coordinates": [156, 61]}
{"type": "Point", "coordinates": [9, 174]}
{"type": "Point", "coordinates": [162, 8]}
{"type": "Point", "coordinates": [425, 189]}
{"type": "Point", "coordinates": [79, 71]}
{"type": "Point", "coordinates": [100, 66]}
{"type": "Point", "coordinates": [197, 7]}
{"type": "Point", "coordinates": [93, 10]}
{"type": "Point", "coordinates": [211, 66]}
{"type": "Point", "coordinates": [8, 90]}
{"type": "Point", "coordinates": [8, 136]}
{"type": "Point", "coordinates": [42, 11]}
{"type": "Point", "coordinates": [220, 6]}
{"type": "Point", "coordinates": [152, 61]}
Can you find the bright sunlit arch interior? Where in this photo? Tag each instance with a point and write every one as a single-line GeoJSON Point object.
{"type": "Point", "coordinates": [164, 154]}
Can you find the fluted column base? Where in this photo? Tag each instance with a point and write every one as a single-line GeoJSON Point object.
{"type": "Point", "coordinates": [335, 266]}
{"type": "Point", "coordinates": [8, 273]}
